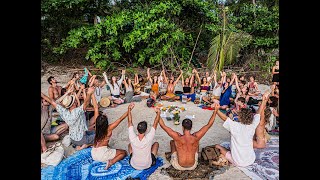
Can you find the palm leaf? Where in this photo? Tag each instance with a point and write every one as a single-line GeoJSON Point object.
{"type": "Point", "coordinates": [213, 52]}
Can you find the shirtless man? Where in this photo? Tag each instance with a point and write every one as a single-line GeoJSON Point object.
{"type": "Point", "coordinates": [54, 90]}
{"type": "Point", "coordinates": [261, 135]}
{"type": "Point", "coordinates": [184, 148]}
{"type": "Point", "coordinates": [170, 88]}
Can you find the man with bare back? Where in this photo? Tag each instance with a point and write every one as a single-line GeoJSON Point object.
{"type": "Point", "coordinates": [54, 90]}
{"type": "Point", "coordinates": [184, 148]}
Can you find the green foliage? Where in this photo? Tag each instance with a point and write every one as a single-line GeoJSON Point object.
{"type": "Point", "coordinates": [147, 34]}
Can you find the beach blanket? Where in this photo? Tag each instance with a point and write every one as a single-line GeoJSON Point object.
{"type": "Point", "coordinates": [81, 166]}
{"type": "Point", "coordinates": [266, 165]}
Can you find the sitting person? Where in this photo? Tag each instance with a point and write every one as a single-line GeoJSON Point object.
{"type": "Point", "coordinates": [142, 151]}
{"type": "Point", "coordinates": [224, 101]}
{"type": "Point", "coordinates": [54, 90]}
{"type": "Point", "coordinates": [261, 136]}
{"type": "Point", "coordinates": [101, 150]}
{"type": "Point", "coordinates": [188, 89]}
{"type": "Point", "coordinates": [185, 148]}
{"type": "Point", "coordinates": [242, 89]}
{"type": "Point", "coordinates": [48, 132]}
{"type": "Point", "coordinates": [75, 118]}
{"type": "Point", "coordinates": [115, 87]}
{"type": "Point", "coordinates": [154, 83]}
{"type": "Point", "coordinates": [170, 87]}
{"type": "Point", "coordinates": [98, 84]}
{"type": "Point", "coordinates": [242, 132]}
{"type": "Point", "coordinates": [74, 82]}
{"type": "Point", "coordinates": [138, 86]}
{"type": "Point", "coordinates": [204, 86]}
{"type": "Point", "coordinates": [216, 90]}
{"type": "Point", "coordinates": [239, 104]}
{"type": "Point", "coordinates": [129, 89]}
{"type": "Point", "coordinates": [253, 88]}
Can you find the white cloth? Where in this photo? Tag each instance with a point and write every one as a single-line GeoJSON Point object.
{"type": "Point", "coordinates": [217, 90]}
{"type": "Point", "coordinates": [242, 140]}
{"type": "Point", "coordinates": [116, 89]}
{"type": "Point", "coordinates": [97, 94]}
{"type": "Point", "coordinates": [141, 150]}
{"type": "Point", "coordinates": [272, 121]}
{"type": "Point", "coordinates": [76, 121]}
{"type": "Point", "coordinates": [103, 153]}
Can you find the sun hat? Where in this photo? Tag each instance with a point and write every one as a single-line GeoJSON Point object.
{"type": "Point", "coordinates": [105, 102]}
{"type": "Point", "coordinates": [68, 101]}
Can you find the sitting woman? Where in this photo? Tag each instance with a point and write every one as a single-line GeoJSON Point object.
{"type": "Point", "coordinates": [242, 90]}
{"type": "Point", "coordinates": [253, 88]}
{"type": "Point", "coordinates": [216, 90]}
{"type": "Point", "coordinates": [138, 86]}
{"type": "Point", "coordinates": [239, 104]}
{"type": "Point", "coordinates": [204, 85]}
{"type": "Point", "coordinates": [170, 87]}
{"type": "Point", "coordinates": [188, 88]}
{"type": "Point", "coordinates": [154, 82]}
{"type": "Point", "coordinates": [224, 101]}
{"type": "Point", "coordinates": [101, 150]}
{"type": "Point", "coordinates": [115, 87]}
{"type": "Point", "coordinates": [129, 89]}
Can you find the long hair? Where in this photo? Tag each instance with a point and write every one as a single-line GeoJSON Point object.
{"type": "Point", "coordinates": [112, 83]}
{"type": "Point", "coordinates": [102, 125]}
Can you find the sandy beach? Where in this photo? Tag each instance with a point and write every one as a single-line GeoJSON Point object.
{"type": "Point", "coordinates": [216, 134]}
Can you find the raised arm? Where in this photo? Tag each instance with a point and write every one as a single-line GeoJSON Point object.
{"type": "Point", "coordinates": [95, 107]}
{"type": "Point", "coordinates": [65, 94]}
{"type": "Point", "coordinates": [177, 80]}
{"type": "Point", "coordinates": [220, 114]}
{"type": "Point", "coordinates": [199, 134]}
{"type": "Point", "coordinates": [91, 80]}
{"type": "Point", "coordinates": [156, 120]}
{"type": "Point", "coordinates": [89, 72]}
{"type": "Point", "coordinates": [136, 79]}
{"type": "Point", "coordinates": [130, 107]}
{"type": "Point", "coordinates": [175, 135]}
{"type": "Point", "coordinates": [125, 83]}
{"type": "Point", "coordinates": [237, 84]}
{"type": "Point", "coordinates": [123, 72]}
{"type": "Point", "coordinates": [149, 77]}
{"type": "Point", "coordinates": [49, 100]}
{"type": "Point", "coordinates": [192, 79]}
{"type": "Point", "coordinates": [77, 99]}
{"type": "Point", "coordinates": [197, 75]}
{"type": "Point", "coordinates": [118, 121]}
{"type": "Point", "coordinates": [164, 76]}
{"type": "Point", "coordinates": [106, 79]}
{"type": "Point", "coordinates": [233, 78]}
{"type": "Point", "coordinates": [263, 103]}
{"type": "Point", "coordinates": [223, 77]}
{"type": "Point", "coordinates": [182, 81]}
{"type": "Point", "coordinates": [88, 98]}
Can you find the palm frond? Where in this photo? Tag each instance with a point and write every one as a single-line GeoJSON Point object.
{"type": "Point", "coordinates": [213, 51]}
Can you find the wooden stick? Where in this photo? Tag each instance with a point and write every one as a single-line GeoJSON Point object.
{"type": "Point", "coordinates": [194, 46]}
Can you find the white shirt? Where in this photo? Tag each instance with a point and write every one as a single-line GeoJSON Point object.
{"type": "Point", "coordinates": [242, 140]}
{"type": "Point", "coordinates": [217, 90]}
{"type": "Point", "coordinates": [141, 150]}
{"type": "Point", "coordinates": [76, 121]}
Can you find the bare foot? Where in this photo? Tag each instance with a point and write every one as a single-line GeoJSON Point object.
{"type": "Point", "coordinates": [78, 148]}
{"type": "Point", "coordinates": [43, 149]}
{"type": "Point", "coordinates": [109, 164]}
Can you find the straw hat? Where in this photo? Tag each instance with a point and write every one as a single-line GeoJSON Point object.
{"type": "Point", "coordinates": [105, 102]}
{"type": "Point", "coordinates": [68, 101]}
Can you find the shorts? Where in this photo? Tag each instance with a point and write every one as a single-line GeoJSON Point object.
{"type": "Point", "coordinates": [230, 159]}
{"type": "Point", "coordinates": [153, 157]}
{"type": "Point", "coordinates": [174, 162]}
{"type": "Point", "coordinates": [87, 138]}
{"type": "Point", "coordinates": [103, 153]}
{"type": "Point", "coordinates": [192, 96]}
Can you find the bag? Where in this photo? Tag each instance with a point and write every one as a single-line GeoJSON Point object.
{"type": "Point", "coordinates": [53, 156]}
{"type": "Point", "coordinates": [252, 101]}
{"type": "Point", "coordinates": [150, 102]}
{"type": "Point", "coordinates": [213, 157]}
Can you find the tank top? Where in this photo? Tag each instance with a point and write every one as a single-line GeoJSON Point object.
{"type": "Point", "coordinates": [204, 88]}
{"type": "Point", "coordinates": [186, 89]}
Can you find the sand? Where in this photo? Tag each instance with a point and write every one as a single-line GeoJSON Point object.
{"type": "Point", "coordinates": [216, 134]}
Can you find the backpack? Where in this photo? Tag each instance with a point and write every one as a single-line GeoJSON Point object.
{"type": "Point", "coordinates": [213, 157]}
{"type": "Point", "coordinates": [150, 102]}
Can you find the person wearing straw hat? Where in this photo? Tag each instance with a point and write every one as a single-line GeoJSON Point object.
{"type": "Point", "coordinates": [75, 118]}
{"type": "Point", "coordinates": [104, 102]}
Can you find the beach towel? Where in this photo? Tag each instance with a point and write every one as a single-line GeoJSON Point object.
{"type": "Point", "coordinates": [266, 165]}
{"type": "Point", "coordinates": [81, 166]}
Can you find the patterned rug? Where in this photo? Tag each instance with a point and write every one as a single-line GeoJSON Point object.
{"type": "Point", "coordinates": [81, 166]}
{"type": "Point", "coordinates": [266, 165]}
